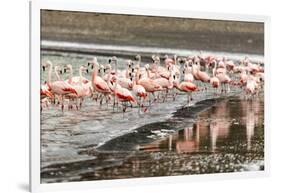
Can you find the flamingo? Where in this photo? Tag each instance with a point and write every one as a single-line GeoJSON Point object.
{"type": "Point", "coordinates": [98, 83]}
{"type": "Point", "coordinates": [215, 82]}
{"type": "Point", "coordinates": [59, 87]}
{"type": "Point", "coordinates": [224, 80]}
{"type": "Point", "coordinates": [45, 95]}
{"type": "Point", "coordinates": [168, 61]}
{"type": "Point", "coordinates": [139, 92]}
{"type": "Point", "coordinates": [159, 71]}
{"type": "Point", "coordinates": [188, 76]}
{"type": "Point", "coordinates": [166, 84]}
{"type": "Point", "coordinates": [149, 85]}
{"type": "Point", "coordinates": [187, 87]}
{"type": "Point", "coordinates": [82, 89]}
{"type": "Point", "coordinates": [45, 91]}
{"type": "Point", "coordinates": [75, 79]}
{"type": "Point", "coordinates": [122, 94]}
{"type": "Point", "coordinates": [250, 87]}
{"type": "Point", "coordinates": [202, 76]}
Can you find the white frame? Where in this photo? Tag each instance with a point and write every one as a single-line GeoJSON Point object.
{"type": "Point", "coordinates": [35, 7]}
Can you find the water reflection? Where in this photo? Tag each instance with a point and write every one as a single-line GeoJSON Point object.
{"type": "Point", "coordinates": [215, 129]}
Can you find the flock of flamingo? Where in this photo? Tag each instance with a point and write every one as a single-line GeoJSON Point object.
{"type": "Point", "coordinates": [140, 86]}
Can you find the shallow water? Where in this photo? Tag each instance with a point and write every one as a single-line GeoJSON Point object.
{"type": "Point", "coordinates": [226, 137]}
{"type": "Point", "coordinates": [222, 134]}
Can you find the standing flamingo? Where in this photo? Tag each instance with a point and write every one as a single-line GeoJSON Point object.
{"type": "Point", "coordinates": [122, 94]}
{"type": "Point", "coordinates": [149, 84]}
{"type": "Point", "coordinates": [215, 82]}
{"type": "Point", "coordinates": [59, 87]}
{"type": "Point", "coordinates": [139, 92]}
{"type": "Point", "coordinates": [187, 87]}
{"type": "Point", "coordinates": [98, 83]}
{"type": "Point", "coordinates": [82, 89]}
{"type": "Point", "coordinates": [202, 76]}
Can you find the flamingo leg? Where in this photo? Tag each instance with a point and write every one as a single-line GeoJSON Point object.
{"type": "Point", "coordinates": [62, 103]}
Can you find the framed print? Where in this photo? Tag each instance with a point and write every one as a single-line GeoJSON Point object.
{"type": "Point", "coordinates": [130, 95]}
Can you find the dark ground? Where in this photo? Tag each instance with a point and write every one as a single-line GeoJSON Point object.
{"type": "Point", "coordinates": [180, 33]}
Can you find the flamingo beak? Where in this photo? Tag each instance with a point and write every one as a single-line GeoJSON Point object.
{"type": "Point", "coordinates": [92, 66]}
{"type": "Point", "coordinates": [44, 68]}
{"type": "Point", "coordinates": [133, 69]}
{"type": "Point", "coordinates": [60, 71]}
{"type": "Point", "coordinates": [64, 70]}
{"type": "Point", "coordinates": [87, 71]}
{"type": "Point", "coordinates": [89, 64]}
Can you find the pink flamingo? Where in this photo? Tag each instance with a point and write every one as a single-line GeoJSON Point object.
{"type": "Point", "coordinates": [59, 87]}
{"type": "Point", "coordinates": [123, 94]}
{"type": "Point", "coordinates": [45, 91]}
{"type": "Point", "coordinates": [139, 92]}
{"type": "Point", "coordinates": [159, 71]}
{"type": "Point", "coordinates": [75, 79]}
{"type": "Point", "coordinates": [45, 95]}
{"type": "Point", "coordinates": [200, 75]}
{"type": "Point", "coordinates": [251, 86]}
{"type": "Point", "coordinates": [166, 84]}
{"type": "Point", "coordinates": [224, 80]}
{"type": "Point", "coordinates": [215, 82]}
{"type": "Point", "coordinates": [82, 89]}
{"type": "Point", "coordinates": [98, 83]}
{"type": "Point", "coordinates": [168, 61]}
{"type": "Point", "coordinates": [188, 76]}
{"type": "Point", "coordinates": [187, 87]}
{"type": "Point", "coordinates": [149, 84]}
{"type": "Point", "coordinates": [243, 77]}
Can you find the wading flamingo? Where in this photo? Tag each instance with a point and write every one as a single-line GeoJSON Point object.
{"type": "Point", "coordinates": [59, 87]}
{"type": "Point", "coordinates": [98, 83]}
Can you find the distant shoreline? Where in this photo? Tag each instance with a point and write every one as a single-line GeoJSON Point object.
{"type": "Point", "coordinates": [131, 51]}
{"type": "Point", "coordinates": [145, 31]}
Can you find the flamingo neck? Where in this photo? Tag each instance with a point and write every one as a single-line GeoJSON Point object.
{"type": "Point", "coordinates": [127, 72]}
{"type": "Point", "coordinates": [148, 73]}
{"type": "Point", "coordinates": [138, 75]}
{"type": "Point", "coordinates": [71, 72]}
{"type": "Point", "coordinates": [109, 76]}
{"type": "Point", "coordinates": [57, 75]}
{"type": "Point", "coordinates": [80, 76]}
{"type": "Point", "coordinates": [139, 61]}
{"type": "Point", "coordinates": [175, 59]}
{"type": "Point", "coordinates": [50, 73]}
{"type": "Point", "coordinates": [94, 74]}
{"type": "Point", "coordinates": [181, 73]}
